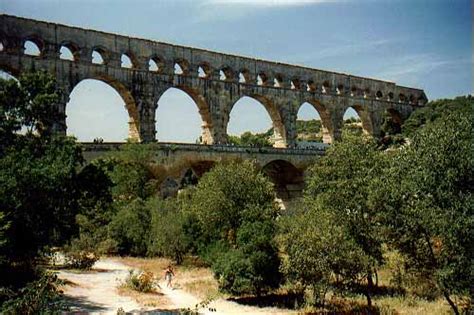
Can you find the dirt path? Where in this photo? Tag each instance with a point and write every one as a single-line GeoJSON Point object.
{"type": "Point", "coordinates": [95, 291]}
{"type": "Point", "coordinates": [181, 299]}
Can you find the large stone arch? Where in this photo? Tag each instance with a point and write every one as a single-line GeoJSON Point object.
{"type": "Point", "coordinates": [207, 128]}
{"type": "Point", "coordinates": [326, 119]}
{"type": "Point", "coordinates": [287, 178]}
{"type": "Point", "coordinates": [365, 116]}
{"type": "Point", "coordinates": [125, 93]}
{"type": "Point", "coordinates": [10, 70]}
{"type": "Point", "coordinates": [279, 129]}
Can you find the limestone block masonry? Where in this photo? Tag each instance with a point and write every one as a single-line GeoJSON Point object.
{"type": "Point", "coordinates": [215, 81]}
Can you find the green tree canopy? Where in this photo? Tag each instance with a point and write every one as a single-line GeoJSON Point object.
{"type": "Point", "coordinates": [428, 202]}
{"type": "Point", "coordinates": [234, 205]}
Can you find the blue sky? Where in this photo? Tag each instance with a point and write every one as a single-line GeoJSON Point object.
{"type": "Point", "coordinates": [419, 43]}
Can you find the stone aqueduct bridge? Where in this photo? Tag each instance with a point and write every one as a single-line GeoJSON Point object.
{"type": "Point", "coordinates": [284, 166]}
{"type": "Point", "coordinates": [215, 81]}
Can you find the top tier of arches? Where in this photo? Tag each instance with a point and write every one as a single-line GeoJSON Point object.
{"type": "Point", "coordinates": [143, 55]}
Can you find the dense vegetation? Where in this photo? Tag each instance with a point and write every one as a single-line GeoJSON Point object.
{"type": "Point", "coordinates": [306, 130]}
{"type": "Point", "coordinates": [407, 197]}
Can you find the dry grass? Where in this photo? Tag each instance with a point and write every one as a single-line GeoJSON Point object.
{"type": "Point", "coordinates": [154, 299]}
{"type": "Point", "coordinates": [191, 277]}
{"type": "Point", "coordinates": [382, 306]}
{"type": "Point", "coordinates": [199, 282]}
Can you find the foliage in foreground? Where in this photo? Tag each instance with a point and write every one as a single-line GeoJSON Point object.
{"type": "Point", "coordinates": [416, 199]}
{"type": "Point", "coordinates": [140, 281]}
{"type": "Point", "coordinates": [427, 198]}
{"type": "Point", "coordinates": [336, 240]}
{"type": "Point", "coordinates": [234, 207]}
{"type": "Point", "coordinates": [37, 297]}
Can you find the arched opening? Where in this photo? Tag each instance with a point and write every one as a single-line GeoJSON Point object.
{"type": "Point", "coordinates": [340, 89]}
{"type": "Point", "coordinates": [226, 74]}
{"type": "Point", "coordinates": [96, 112]}
{"type": "Point", "coordinates": [354, 91]}
{"type": "Point", "coordinates": [244, 76]}
{"type": "Point", "coordinates": [313, 126]}
{"type": "Point", "coordinates": [392, 123]}
{"type": "Point", "coordinates": [354, 122]}
{"type": "Point", "coordinates": [65, 53]}
{"type": "Point", "coordinates": [255, 121]}
{"type": "Point", "coordinates": [7, 75]}
{"type": "Point", "coordinates": [287, 179]}
{"type": "Point", "coordinates": [155, 64]}
{"type": "Point", "coordinates": [325, 87]}
{"type": "Point", "coordinates": [98, 57]}
{"type": "Point", "coordinates": [367, 93]}
{"type": "Point", "coordinates": [379, 95]}
{"type": "Point", "coordinates": [32, 48]}
{"type": "Point", "coordinates": [390, 96]}
{"type": "Point", "coordinates": [278, 81]}
{"type": "Point", "coordinates": [191, 175]}
{"type": "Point", "coordinates": [126, 62]}
{"type": "Point", "coordinates": [183, 116]}
{"type": "Point", "coordinates": [311, 86]}
{"type": "Point", "coordinates": [262, 79]}
{"type": "Point", "coordinates": [295, 84]}
{"type": "Point", "coordinates": [204, 71]}
{"type": "Point", "coordinates": [177, 69]}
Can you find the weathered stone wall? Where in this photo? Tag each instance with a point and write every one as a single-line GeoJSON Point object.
{"type": "Point", "coordinates": [281, 88]}
{"type": "Point", "coordinates": [285, 167]}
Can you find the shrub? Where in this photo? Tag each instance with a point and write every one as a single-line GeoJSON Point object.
{"type": "Point", "coordinates": [167, 236]}
{"type": "Point", "coordinates": [233, 204]}
{"type": "Point", "coordinates": [38, 297]}
{"type": "Point", "coordinates": [140, 281]}
{"type": "Point", "coordinates": [129, 228]}
{"type": "Point", "coordinates": [81, 259]}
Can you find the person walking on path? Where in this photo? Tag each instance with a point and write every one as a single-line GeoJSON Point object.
{"type": "Point", "coordinates": [169, 274]}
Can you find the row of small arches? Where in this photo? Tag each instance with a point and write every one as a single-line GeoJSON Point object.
{"type": "Point", "coordinates": [70, 52]}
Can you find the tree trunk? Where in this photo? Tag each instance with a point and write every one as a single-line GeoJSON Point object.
{"type": "Point", "coordinates": [370, 284]}
{"type": "Point", "coordinates": [451, 303]}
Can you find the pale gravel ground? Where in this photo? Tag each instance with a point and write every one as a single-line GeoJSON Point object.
{"type": "Point", "coordinates": [96, 293]}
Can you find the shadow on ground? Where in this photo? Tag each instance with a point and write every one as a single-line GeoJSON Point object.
{"type": "Point", "coordinates": [286, 301]}
{"type": "Point", "coordinates": [80, 305]}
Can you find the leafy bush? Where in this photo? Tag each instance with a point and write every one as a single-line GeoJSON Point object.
{"type": "Point", "coordinates": [234, 205]}
{"type": "Point", "coordinates": [130, 226]}
{"type": "Point", "coordinates": [81, 259]}
{"type": "Point", "coordinates": [140, 281]}
{"type": "Point", "coordinates": [167, 237]}
{"type": "Point", "coordinates": [38, 297]}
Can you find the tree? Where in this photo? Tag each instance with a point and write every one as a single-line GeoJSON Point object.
{"type": "Point", "coordinates": [234, 205]}
{"type": "Point", "coordinates": [338, 188]}
{"type": "Point", "coordinates": [435, 110]}
{"type": "Point", "coordinates": [318, 248]}
{"type": "Point", "coordinates": [130, 226]}
{"type": "Point", "coordinates": [249, 139]}
{"type": "Point", "coordinates": [167, 233]}
{"type": "Point", "coordinates": [40, 190]}
{"type": "Point", "coordinates": [28, 102]}
{"type": "Point", "coordinates": [428, 203]}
